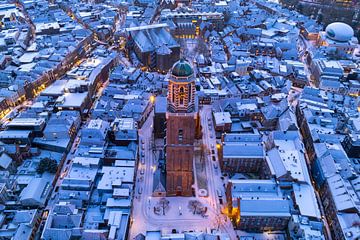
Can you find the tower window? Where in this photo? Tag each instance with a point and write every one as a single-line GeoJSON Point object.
{"type": "Point", "coordinates": [181, 95]}
{"type": "Point", "coordinates": [180, 135]}
{"type": "Point", "coordinates": [190, 93]}
{"type": "Point", "coordinates": [173, 94]}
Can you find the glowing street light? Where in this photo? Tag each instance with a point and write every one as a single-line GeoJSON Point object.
{"type": "Point", "coordinates": [152, 98]}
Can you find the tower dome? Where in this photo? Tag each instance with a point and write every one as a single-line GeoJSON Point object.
{"type": "Point", "coordinates": [339, 31]}
{"type": "Point", "coordinates": [182, 68]}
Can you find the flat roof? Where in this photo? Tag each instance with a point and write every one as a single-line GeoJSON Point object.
{"type": "Point", "coordinates": [243, 137]}
{"type": "Point", "coordinates": [55, 89]}
{"type": "Point", "coordinates": [95, 124]}
{"type": "Point", "coordinates": [124, 203]}
{"type": "Point", "coordinates": [11, 134]}
{"type": "Point", "coordinates": [289, 155]}
{"type": "Point", "coordinates": [26, 122]}
{"type": "Point", "coordinates": [86, 161]}
{"type": "Point", "coordinates": [306, 200]}
{"type": "Point", "coordinates": [160, 105]}
{"type": "Point", "coordinates": [239, 150]}
{"type": "Point", "coordinates": [125, 123]}
{"type": "Point", "coordinates": [80, 173]}
{"type": "Point", "coordinates": [265, 208]}
{"type": "Point", "coordinates": [115, 176]}
{"type": "Point", "coordinates": [251, 188]}
{"type": "Point", "coordinates": [222, 117]}
{"type": "Point", "coordinates": [73, 99]}
{"type": "Point", "coordinates": [121, 192]}
{"type": "Point", "coordinates": [125, 163]}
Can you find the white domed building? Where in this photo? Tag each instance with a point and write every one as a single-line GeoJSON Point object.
{"type": "Point", "coordinates": [340, 36]}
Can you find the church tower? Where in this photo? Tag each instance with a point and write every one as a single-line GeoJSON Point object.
{"type": "Point", "coordinates": [181, 121]}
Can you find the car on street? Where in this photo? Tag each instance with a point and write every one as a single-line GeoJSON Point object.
{"type": "Point", "coordinates": [215, 166]}
{"type": "Point", "coordinates": [220, 195]}
{"type": "Point", "coordinates": [63, 174]}
{"type": "Point", "coordinates": [219, 192]}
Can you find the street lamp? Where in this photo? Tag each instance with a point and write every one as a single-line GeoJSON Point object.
{"type": "Point", "coordinates": [152, 99]}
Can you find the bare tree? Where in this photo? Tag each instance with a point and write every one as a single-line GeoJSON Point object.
{"type": "Point", "coordinates": [164, 204]}
{"type": "Point", "coordinates": [194, 206]}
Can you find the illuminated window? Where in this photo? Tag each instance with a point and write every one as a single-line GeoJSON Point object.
{"type": "Point", "coordinates": [181, 95]}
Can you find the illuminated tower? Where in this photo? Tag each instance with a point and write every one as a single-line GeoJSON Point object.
{"type": "Point", "coordinates": [181, 123]}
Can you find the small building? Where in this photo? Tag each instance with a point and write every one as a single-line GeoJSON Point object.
{"type": "Point", "coordinates": [323, 68]}
{"type": "Point", "coordinates": [351, 145]}
{"type": "Point", "coordinates": [242, 153]}
{"type": "Point", "coordinates": [37, 191]}
{"type": "Point", "coordinates": [257, 205]}
{"type": "Point", "coordinates": [63, 222]}
{"type": "Point", "coordinates": [34, 124]}
{"type": "Point", "coordinates": [222, 121]}
{"type": "Point", "coordinates": [123, 131]}
{"type": "Point", "coordinates": [16, 136]}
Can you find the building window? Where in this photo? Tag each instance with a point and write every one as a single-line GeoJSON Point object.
{"type": "Point", "coordinates": [180, 135]}
{"type": "Point", "coordinates": [181, 95]}
{"type": "Point", "coordinates": [173, 94]}
{"type": "Point", "coordinates": [190, 93]}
